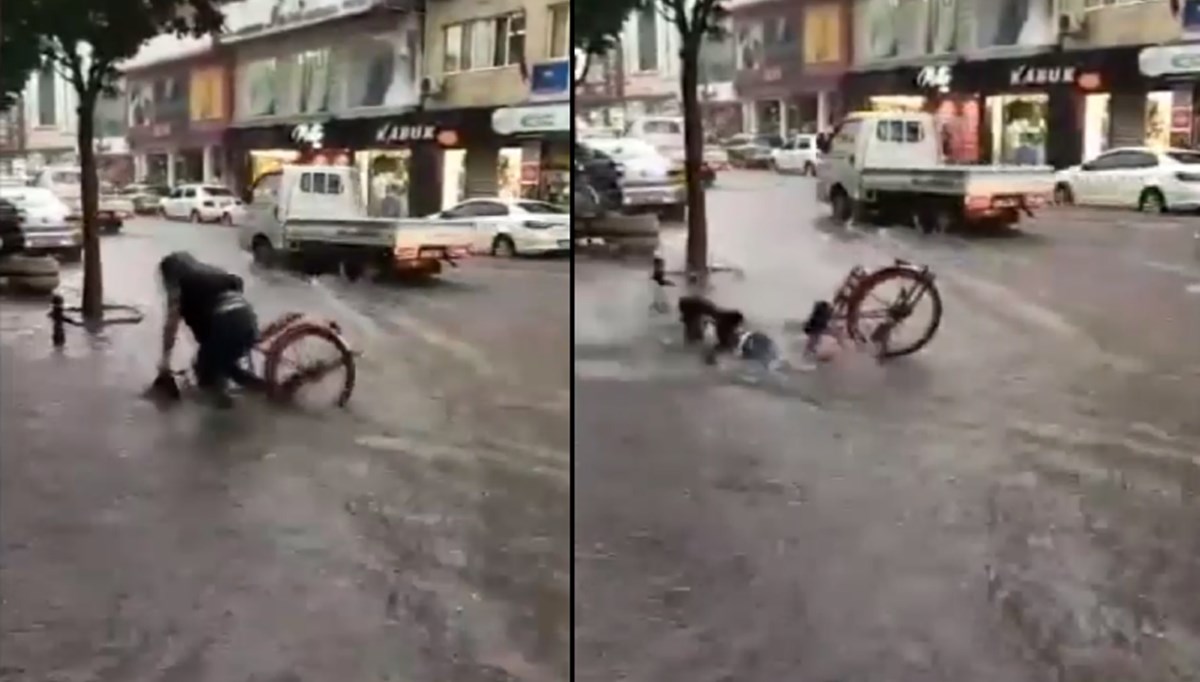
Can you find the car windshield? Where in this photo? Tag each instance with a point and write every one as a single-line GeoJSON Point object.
{"type": "Point", "coordinates": [540, 207]}
{"type": "Point", "coordinates": [217, 192]}
{"type": "Point", "coordinates": [1189, 158]}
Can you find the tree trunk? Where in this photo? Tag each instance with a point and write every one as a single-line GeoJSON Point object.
{"type": "Point", "coordinates": [693, 140]}
{"type": "Point", "coordinates": [93, 277]}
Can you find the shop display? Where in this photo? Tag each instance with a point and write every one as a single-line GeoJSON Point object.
{"type": "Point", "coordinates": [508, 173]}
{"type": "Point", "coordinates": [388, 175]}
{"type": "Point", "coordinates": [1019, 126]}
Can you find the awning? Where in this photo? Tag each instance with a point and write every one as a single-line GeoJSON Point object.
{"type": "Point", "coordinates": [1171, 60]}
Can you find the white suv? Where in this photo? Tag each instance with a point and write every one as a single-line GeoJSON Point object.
{"type": "Point", "coordinates": [201, 203]}
{"type": "Point", "coordinates": [797, 155]}
{"type": "Point", "coordinates": [1152, 180]}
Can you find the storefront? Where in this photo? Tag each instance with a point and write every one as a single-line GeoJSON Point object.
{"type": "Point", "coordinates": [1176, 69]}
{"type": "Point", "coordinates": [420, 162]}
{"type": "Point", "coordinates": [1055, 108]}
{"type": "Point", "coordinates": [536, 157]}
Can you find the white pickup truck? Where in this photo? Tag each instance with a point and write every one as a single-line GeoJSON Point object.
{"type": "Point", "coordinates": [889, 166]}
{"type": "Point", "coordinates": [313, 217]}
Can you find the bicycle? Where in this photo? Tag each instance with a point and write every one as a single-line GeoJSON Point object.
{"type": "Point", "coordinates": [284, 378]}
{"type": "Point", "coordinates": [867, 325]}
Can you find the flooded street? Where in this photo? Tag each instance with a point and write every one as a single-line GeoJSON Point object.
{"type": "Point", "coordinates": [1018, 501]}
{"type": "Point", "coordinates": [422, 534]}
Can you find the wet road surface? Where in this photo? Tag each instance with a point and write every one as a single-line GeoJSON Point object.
{"type": "Point", "coordinates": [420, 535]}
{"type": "Point", "coordinates": [1019, 501]}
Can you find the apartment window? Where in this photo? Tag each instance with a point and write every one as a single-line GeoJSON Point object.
{"type": "Point", "coordinates": [647, 37]}
{"type": "Point", "coordinates": [560, 31]}
{"type": "Point", "coordinates": [484, 43]}
{"type": "Point", "coordinates": [47, 110]}
{"type": "Point", "coordinates": [453, 39]}
{"type": "Point", "coordinates": [510, 39]}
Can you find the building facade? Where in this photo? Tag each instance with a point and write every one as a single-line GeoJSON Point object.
{"type": "Point", "coordinates": [790, 58]}
{"type": "Point", "coordinates": [177, 94]}
{"type": "Point", "coordinates": [432, 103]}
{"type": "Point", "coordinates": [1023, 81]}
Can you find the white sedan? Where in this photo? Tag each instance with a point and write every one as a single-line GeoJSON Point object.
{"type": "Point", "coordinates": [511, 227]}
{"type": "Point", "coordinates": [200, 203]}
{"type": "Point", "coordinates": [797, 155]}
{"type": "Point", "coordinates": [1151, 180]}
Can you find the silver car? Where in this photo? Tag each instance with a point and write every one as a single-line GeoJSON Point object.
{"type": "Point", "coordinates": [44, 222]}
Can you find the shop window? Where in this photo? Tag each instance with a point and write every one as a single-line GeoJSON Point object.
{"type": "Point", "coordinates": [388, 176]}
{"type": "Point", "coordinates": [1019, 127]}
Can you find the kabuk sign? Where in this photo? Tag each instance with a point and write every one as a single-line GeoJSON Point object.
{"type": "Point", "coordinates": [937, 77]}
{"type": "Point", "coordinates": [1038, 75]}
{"type": "Point", "coordinates": [394, 133]}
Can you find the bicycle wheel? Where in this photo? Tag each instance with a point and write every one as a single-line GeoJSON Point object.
{"type": "Point", "coordinates": [291, 373]}
{"type": "Point", "coordinates": [872, 315]}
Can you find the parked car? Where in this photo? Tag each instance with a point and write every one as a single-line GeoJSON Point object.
{"type": "Point", "coordinates": [12, 236]}
{"type": "Point", "coordinates": [65, 183]}
{"type": "Point", "coordinates": [1151, 180]}
{"type": "Point", "coordinates": [511, 227]}
{"type": "Point", "coordinates": [716, 157]}
{"type": "Point", "coordinates": [647, 180]}
{"type": "Point", "coordinates": [44, 223]}
{"type": "Point", "coordinates": [752, 151]}
{"type": "Point", "coordinates": [146, 198]}
{"type": "Point", "coordinates": [200, 203]}
{"type": "Point", "coordinates": [797, 155]}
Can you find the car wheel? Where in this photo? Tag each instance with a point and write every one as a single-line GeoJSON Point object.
{"type": "Point", "coordinates": [1063, 196]}
{"type": "Point", "coordinates": [503, 247]}
{"type": "Point", "coordinates": [772, 164]}
{"type": "Point", "coordinates": [810, 170]}
{"type": "Point", "coordinates": [1152, 201]}
{"type": "Point", "coordinates": [195, 216]}
{"type": "Point", "coordinates": [227, 218]}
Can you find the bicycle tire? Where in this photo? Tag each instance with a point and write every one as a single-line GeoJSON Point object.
{"type": "Point", "coordinates": [274, 355]}
{"type": "Point", "coordinates": [854, 307]}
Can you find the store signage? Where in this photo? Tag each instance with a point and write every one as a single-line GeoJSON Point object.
{"type": "Point", "coordinates": [550, 80]}
{"type": "Point", "coordinates": [398, 133]}
{"type": "Point", "coordinates": [1038, 75]}
{"type": "Point", "coordinates": [1176, 60]}
{"type": "Point", "coordinates": [309, 133]}
{"type": "Point", "coordinates": [938, 77]}
{"type": "Point", "coordinates": [545, 119]}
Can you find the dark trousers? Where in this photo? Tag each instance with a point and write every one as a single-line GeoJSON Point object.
{"type": "Point", "coordinates": [230, 339]}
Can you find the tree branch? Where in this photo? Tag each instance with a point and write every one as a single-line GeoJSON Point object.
{"type": "Point", "coordinates": [679, 10]}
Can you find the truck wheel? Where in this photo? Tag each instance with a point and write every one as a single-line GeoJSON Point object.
{"type": "Point", "coordinates": [503, 247]}
{"type": "Point", "coordinates": [263, 252]}
{"type": "Point", "coordinates": [842, 205]}
{"type": "Point", "coordinates": [937, 219]}
{"type": "Point", "coordinates": [353, 269]}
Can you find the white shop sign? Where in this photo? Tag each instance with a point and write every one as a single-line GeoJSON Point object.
{"type": "Point", "coordinates": [1175, 60]}
{"type": "Point", "coordinates": [545, 119]}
